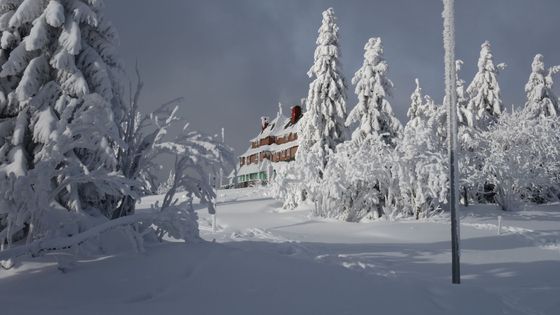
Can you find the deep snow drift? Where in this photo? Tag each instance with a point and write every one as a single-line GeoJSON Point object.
{"type": "Point", "coordinates": [268, 261]}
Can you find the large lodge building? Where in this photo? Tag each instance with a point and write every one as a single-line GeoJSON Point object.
{"type": "Point", "coordinates": [277, 142]}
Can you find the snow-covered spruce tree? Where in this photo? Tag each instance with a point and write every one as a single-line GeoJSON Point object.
{"type": "Point", "coordinates": [373, 112]}
{"type": "Point", "coordinates": [541, 100]}
{"type": "Point", "coordinates": [322, 126]}
{"type": "Point", "coordinates": [60, 110]}
{"type": "Point", "coordinates": [484, 91]}
{"type": "Point", "coordinates": [416, 101]}
{"type": "Point", "coordinates": [465, 119]}
{"type": "Point", "coordinates": [520, 155]}
{"type": "Point", "coordinates": [485, 102]}
{"type": "Point", "coordinates": [364, 194]}
{"type": "Point", "coordinates": [420, 164]}
{"type": "Point", "coordinates": [464, 116]}
{"type": "Point", "coordinates": [435, 116]}
{"type": "Point", "coordinates": [424, 110]}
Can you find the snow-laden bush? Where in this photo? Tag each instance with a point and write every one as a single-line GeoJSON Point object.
{"type": "Point", "coordinates": [178, 220]}
{"type": "Point", "coordinates": [358, 182]}
{"type": "Point", "coordinates": [148, 142]}
{"type": "Point", "coordinates": [520, 158]}
{"type": "Point", "coordinates": [286, 185]}
{"type": "Point", "coordinates": [421, 164]}
{"type": "Point", "coordinates": [373, 180]}
{"type": "Point", "coordinates": [31, 205]}
{"type": "Point", "coordinates": [421, 159]}
{"type": "Point", "coordinates": [194, 156]}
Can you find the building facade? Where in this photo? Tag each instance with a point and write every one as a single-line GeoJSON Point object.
{"type": "Point", "coordinates": [277, 142]}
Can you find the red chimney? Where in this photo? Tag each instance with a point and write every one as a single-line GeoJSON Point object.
{"type": "Point", "coordinates": [296, 114]}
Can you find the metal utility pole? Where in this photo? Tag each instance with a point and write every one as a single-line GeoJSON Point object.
{"type": "Point", "coordinates": [451, 104]}
{"type": "Point", "coordinates": [221, 167]}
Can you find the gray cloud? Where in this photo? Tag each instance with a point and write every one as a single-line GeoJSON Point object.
{"type": "Point", "coordinates": [234, 60]}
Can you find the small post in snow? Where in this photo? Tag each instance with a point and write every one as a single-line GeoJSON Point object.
{"type": "Point", "coordinates": [212, 213]}
{"type": "Point", "coordinates": [499, 225]}
{"type": "Point", "coordinates": [214, 223]}
{"type": "Point", "coordinates": [451, 104]}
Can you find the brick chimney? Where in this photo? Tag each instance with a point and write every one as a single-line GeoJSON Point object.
{"type": "Point", "coordinates": [264, 122]}
{"type": "Point", "coordinates": [296, 114]}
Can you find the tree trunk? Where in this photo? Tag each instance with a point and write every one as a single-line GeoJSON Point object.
{"type": "Point", "coordinates": [127, 207]}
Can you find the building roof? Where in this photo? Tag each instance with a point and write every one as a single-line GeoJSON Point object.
{"type": "Point", "coordinates": [281, 125]}
{"type": "Point", "coordinates": [273, 128]}
{"type": "Point", "coordinates": [270, 148]}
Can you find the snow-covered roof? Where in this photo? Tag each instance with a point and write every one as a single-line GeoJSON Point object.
{"type": "Point", "coordinates": [281, 125]}
{"type": "Point", "coordinates": [273, 128]}
{"type": "Point", "coordinates": [271, 148]}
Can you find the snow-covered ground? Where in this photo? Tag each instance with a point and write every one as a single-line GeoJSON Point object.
{"type": "Point", "coordinates": [268, 261]}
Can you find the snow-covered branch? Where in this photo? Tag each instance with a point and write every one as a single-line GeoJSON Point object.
{"type": "Point", "coordinates": [61, 243]}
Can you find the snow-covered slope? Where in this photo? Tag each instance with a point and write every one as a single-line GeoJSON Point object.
{"type": "Point", "coordinates": [265, 261]}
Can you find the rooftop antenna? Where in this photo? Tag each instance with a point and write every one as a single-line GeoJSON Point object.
{"type": "Point", "coordinates": [279, 109]}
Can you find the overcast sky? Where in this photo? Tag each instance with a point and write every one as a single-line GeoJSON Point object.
{"type": "Point", "coordinates": [234, 60]}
